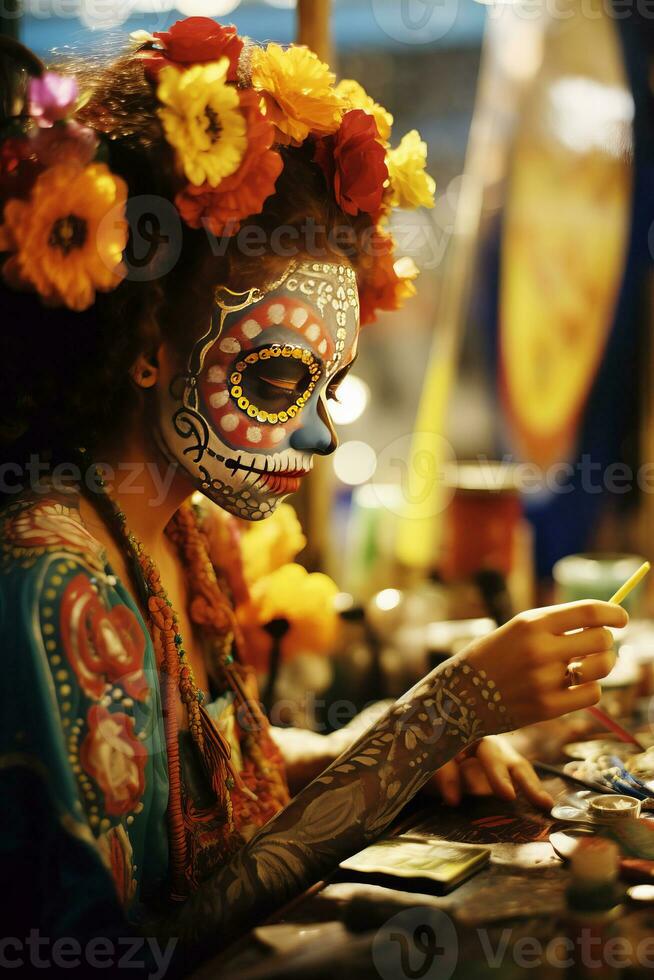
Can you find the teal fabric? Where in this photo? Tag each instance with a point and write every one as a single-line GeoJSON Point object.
{"type": "Point", "coordinates": [47, 750]}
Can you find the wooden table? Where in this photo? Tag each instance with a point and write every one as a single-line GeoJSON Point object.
{"type": "Point", "coordinates": [348, 931]}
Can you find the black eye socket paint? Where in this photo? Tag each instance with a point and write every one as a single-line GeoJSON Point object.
{"type": "Point", "coordinates": [235, 419]}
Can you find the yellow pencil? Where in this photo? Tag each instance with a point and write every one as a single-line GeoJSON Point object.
{"type": "Point", "coordinates": [631, 583]}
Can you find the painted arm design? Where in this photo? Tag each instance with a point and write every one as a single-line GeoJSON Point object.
{"type": "Point", "coordinates": [349, 804]}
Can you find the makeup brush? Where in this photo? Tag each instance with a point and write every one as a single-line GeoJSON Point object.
{"type": "Point", "coordinates": [605, 721]}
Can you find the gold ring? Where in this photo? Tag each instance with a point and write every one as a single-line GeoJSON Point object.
{"type": "Point", "coordinates": [573, 673]}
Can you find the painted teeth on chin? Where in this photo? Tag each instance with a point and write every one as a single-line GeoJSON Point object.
{"type": "Point", "coordinates": [279, 463]}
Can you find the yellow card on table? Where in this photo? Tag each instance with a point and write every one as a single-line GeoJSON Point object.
{"type": "Point", "coordinates": [418, 860]}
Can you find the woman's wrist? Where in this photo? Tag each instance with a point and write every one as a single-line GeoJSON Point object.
{"type": "Point", "coordinates": [352, 801]}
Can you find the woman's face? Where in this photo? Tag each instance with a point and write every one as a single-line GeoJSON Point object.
{"type": "Point", "coordinates": [249, 412]}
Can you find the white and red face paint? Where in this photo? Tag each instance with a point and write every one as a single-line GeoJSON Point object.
{"type": "Point", "coordinates": [248, 415]}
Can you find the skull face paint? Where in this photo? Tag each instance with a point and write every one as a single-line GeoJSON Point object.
{"type": "Point", "coordinates": [248, 415]}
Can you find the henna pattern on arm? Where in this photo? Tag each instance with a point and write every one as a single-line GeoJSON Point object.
{"type": "Point", "coordinates": [349, 804]}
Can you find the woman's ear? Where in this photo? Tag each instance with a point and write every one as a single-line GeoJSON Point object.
{"type": "Point", "coordinates": [145, 371]}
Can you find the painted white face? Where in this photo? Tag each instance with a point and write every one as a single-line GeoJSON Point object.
{"type": "Point", "coordinates": [249, 413]}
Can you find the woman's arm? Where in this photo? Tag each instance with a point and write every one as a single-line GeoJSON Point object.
{"type": "Point", "coordinates": [492, 766]}
{"type": "Point", "coordinates": [363, 790]}
{"type": "Point", "coordinates": [306, 754]}
{"type": "Point", "coordinates": [345, 807]}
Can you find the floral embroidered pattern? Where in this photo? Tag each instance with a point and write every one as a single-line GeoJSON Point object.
{"type": "Point", "coordinates": [31, 529]}
{"type": "Point", "coordinates": [101, 644]}
{"type": "Point", "coordinates": [118, 855]}
{"type": "Point", "coordinates": [115, 758]}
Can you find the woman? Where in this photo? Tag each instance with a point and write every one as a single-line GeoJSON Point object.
{"type": "Point", "coordinates": [192, 238]}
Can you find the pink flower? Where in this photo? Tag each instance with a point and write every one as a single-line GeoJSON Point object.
{"type": "Point", "coordinates": [52, 97]}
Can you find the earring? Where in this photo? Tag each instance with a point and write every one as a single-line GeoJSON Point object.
{"type": "Point", "coordinates": [143, 374]}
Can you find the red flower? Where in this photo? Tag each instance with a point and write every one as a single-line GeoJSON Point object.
{"type": "Point", "coordinates": [354, 163]}
{"type": "Point", "coordinates": [380, 286]}
{"type": "Point", "coordinates": [19, 168]}
{"type": "Point", "coordinates": [113, 756]}
{"type": "Point", "coordinates": [242, 194]}
{"type": "Point", "coordinates": [101, 644]}
{"type": "Point", "coordinates": [196, 40]}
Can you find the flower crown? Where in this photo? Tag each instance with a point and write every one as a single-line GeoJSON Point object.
{"type": "Point", "coordinates": [65, 228]}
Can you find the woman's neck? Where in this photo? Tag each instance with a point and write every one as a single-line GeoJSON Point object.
{"type": "Point", "coordinates": [148, 488]}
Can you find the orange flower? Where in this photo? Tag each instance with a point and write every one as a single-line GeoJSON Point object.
{"type": "Point", "coordinates": [68, 238]}
{"type": "Point", "coordinates": [242, 194]}
{"type": "Point", "coordinates": [385, 282]}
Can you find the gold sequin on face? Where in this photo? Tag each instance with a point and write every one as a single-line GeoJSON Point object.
{"type": "Point", "coordinates": [265, 354]}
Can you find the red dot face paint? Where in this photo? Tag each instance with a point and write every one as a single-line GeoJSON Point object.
{"type": "Point", "coordinates": [254, 382]}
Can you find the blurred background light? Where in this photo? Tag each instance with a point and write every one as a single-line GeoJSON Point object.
{"type": "Point", "coordinates": [354, 462]}
{"type": "Point", "coordinates": [388, 599]}
{"type": "Point", "coordinates": [353, 398]}
{"type": "Point", "coordinates": [206, 8]}
{"type": "Point", "coordinates": [587, 114]}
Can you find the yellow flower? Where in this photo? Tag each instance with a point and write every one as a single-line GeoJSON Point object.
{"type": "Point", "coordinates": [356, 97]}
{"type": "Point", "coordinates": [298, 91]}
{"type": "Point", "coordinates": [202, 120]}
{"type": "Point", "coordinates": [410, 184]}
{"type": "Point", "coordinates": [407, 272]}
{"type": "Point", "coordinates": [266, 545]}
{"type": "Point", "coordinates": [69, 237]}
{"type": "Point", "coordinates": [305, 600]}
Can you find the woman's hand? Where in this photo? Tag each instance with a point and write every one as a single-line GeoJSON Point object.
{"type": "Point", "coordinates": [526, 661]}
{"type": "Point", "coordinates": [490, 767]}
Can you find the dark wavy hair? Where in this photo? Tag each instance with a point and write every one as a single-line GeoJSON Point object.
{"type": "Point", "coordinates": [64, 376]}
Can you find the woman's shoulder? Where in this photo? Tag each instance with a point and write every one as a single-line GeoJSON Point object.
{"type": "Point", "coordinates": [60, 604]}
{"type": "Point", "coordinates": [41, 524]}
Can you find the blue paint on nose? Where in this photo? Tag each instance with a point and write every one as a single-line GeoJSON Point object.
{"type": "Point", "coordinates": [317, 434]}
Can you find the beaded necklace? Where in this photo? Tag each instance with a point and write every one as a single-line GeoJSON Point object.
{"type": "Point", "coordinates": [209, 608]}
